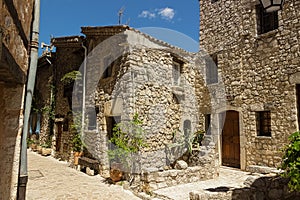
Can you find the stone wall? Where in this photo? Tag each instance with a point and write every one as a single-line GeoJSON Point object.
{"type": "Point", "coordinates": [11, 120]}
{"type": "Point", "coordinates": [257, 71]}
{"type": "Point", "coordinates": [44, 95]}
{"type": "Point", "coordinates": [15, 29]}
{"type": "Point", "coordinates": [202, 165]}
{"type": "Point", "coordinates": [265, 187]}
{"type": "Point", "coordinates": [69, 57]}
{"type": "Point", "coordinates": [142, 83]}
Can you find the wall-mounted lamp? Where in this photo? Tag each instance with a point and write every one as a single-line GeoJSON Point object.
{"type": "Point", "coordinates": [272, 5]}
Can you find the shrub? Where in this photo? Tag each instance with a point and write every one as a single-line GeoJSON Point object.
{"type": "Point", "coordinates": [291, 162]}
{"type": "Point", "coordinates": [127, 139]}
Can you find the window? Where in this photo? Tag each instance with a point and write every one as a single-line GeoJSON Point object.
{"type": "Point", "coordinates": [187, 128]}
{"type": "Point", "coordinates": [108, 66]}
{"type": "Point", "coordinates": [111, 122]}
{"type": "Point", "coordinates": [298, 103]}
{"type": "Point", "coordinates": [214, 1]}
{"type": "Point", "coordinates": [207, 124]}
{"type": "Point", "coordinates": [263, 123]}
{"type": "Point", "coordinates": [211, 63]}
{"type": "Point", "coordinates": [266, 21]}
{"type": "Point", "coordinates": [92, 117]}
{"type": "Point", "coordinates": [176, 73]}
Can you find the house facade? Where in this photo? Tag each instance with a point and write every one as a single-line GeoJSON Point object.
{"type": "Point", "coordinates": [126, 72]}
{"type": "Point", "coordinates": [15, 33]}
{"type": "Point", "coordinates": [257, 58]}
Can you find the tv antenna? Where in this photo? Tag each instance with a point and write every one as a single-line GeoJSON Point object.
{"type": "Point", "coordinates": [121, 13]}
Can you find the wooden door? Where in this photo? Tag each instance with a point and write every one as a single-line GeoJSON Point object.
{"type": "Point", "coordinates": [231, 140]}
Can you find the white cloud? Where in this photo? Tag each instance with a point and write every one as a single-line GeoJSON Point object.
{"type": "Point", "coordinates": [147, 14]}
{"type": "Point", "coordinates": [166, 13]}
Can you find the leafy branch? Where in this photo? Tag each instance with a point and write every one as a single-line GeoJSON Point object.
{"type": "Point", "coordinates": [291, 162]}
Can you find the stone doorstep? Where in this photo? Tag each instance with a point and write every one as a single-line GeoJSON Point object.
{"type": "Point", "coordinates": [262, 169]}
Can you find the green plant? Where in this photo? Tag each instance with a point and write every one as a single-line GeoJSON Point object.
{"type": "Point", "coordinates": [127, 139]}
{"type": "Point", "coordinates": [291, 162]}
{"type": "Point", "coordinates": [198, 137]}
{"type": "Point", "coordinates": [76, 128]}
{"type": "Point", "coordinates": [187, 140]}
{"type": "Point", "coordinates": [71, 77]}
{"type": "Point", "coordinates": [30, 141]}
{"type": "Point", "coordinates": [47, 144]}
{"type": "Point", "coordinates": [77, 143]}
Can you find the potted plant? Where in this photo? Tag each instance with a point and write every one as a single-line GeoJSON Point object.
{"type": "Point", "coordinates": [77, 147]}
{"type": "Point", "coordinates": [31, 143]}
{"type": "Point", "coordinates": [76, 130]}
{"type": "Point", "coordinates": [46, 148]}
{"type": "Point", "coordinates": [198, 137]}
{"type": "Point", "coordinates": [126, 141]}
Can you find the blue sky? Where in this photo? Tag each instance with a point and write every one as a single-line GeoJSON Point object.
{"type": "Point", "coordinates": [65, 17]}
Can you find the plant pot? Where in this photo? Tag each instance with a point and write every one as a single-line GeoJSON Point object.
{"type": "Point", "coordinates": [116, 172]}
{"type": "Point", "coordinates": [46, 151]}
{"type": "Point", "coordinates": [39, 149]}
{"type": "Point", "coordinates": [33, 147]}
{"type": "Point", "coordinates": [76, 157]}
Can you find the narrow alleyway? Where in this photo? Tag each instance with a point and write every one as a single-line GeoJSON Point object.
{"type": "Point", "coordinates": [51, 179]}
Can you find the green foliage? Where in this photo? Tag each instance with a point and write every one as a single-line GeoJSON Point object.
{"type": "Point", "coordinates": [47, 144]}
{"type": "Point", "coordinates": [70, 77]}
{"type": "Point", "coordinates": [188, 141]}
{"type": "Point", "coordinates": [198, 137]}
{"type": "Point", "coordinates": [291, 162]}
{"type": "Point", "coordinates": [127, 138]}
{"type": "Point", "coordinates": [76, 128]}
{"type": "Point", "coordinates": [77, 142]}
{"type": "Point", "coordinates": [30, 141]}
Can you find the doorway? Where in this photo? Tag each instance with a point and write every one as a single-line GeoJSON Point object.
{"type": "Point", "coordinates": [231, 139]}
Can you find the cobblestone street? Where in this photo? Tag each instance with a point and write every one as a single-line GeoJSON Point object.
{"type": "Point", "coordinates": [52, 179]}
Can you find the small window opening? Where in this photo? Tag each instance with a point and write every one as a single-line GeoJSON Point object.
{"type": "Point", "coordinates": [263, 123]}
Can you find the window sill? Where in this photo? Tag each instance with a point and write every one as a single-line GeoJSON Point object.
{"type": "Point", "coordinates": [264, 137]}
{"type": "Point", "coordinates": [267, 34]}
{"type": "Point", "coordinates": [212, 84]}
{"type": "Point", "coordinates": [178, 90]}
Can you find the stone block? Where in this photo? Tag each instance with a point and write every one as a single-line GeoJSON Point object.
{"type": "Point", "coordinates": [181, 164]}
{"type": "Point", "coordinates": [90, 171]}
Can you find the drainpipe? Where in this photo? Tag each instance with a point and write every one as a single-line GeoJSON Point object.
{"type": "Point", "coordinates": [83, 88]}
{"type": "Point", "coordinates": [23, 173]}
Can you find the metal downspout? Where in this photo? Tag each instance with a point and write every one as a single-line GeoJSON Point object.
{"type": "Point", "coordinates": [23, 173]}
{"type": "Point", "coordinates": [83, 90]}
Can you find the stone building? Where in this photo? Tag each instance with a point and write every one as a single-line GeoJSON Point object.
{"type": "Point", "coordinates": [127, 72]}
{"type": "Point", "coordinates": [15, 32]}
{"type": "Point", "coordinates": [257, 59]}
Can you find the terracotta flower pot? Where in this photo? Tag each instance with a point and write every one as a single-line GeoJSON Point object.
{"type": "Point", "coordinates": [116, 172]}
{"type": "Point", "coordinates": [39, 149]}
{"type": "Point", "coordinates": [46, 151]}
{"type": "Point", "coordinates": [33, 147]}
{"type": "Point", "coordinates": [76, 157]}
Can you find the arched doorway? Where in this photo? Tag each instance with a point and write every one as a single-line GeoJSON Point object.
{"type": "Point", "coordinates": [231, 139]}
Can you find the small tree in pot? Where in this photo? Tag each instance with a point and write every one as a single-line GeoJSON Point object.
{"type": "Point", "coordinates": [126, 141]}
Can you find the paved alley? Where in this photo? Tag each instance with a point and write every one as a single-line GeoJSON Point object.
{"type": "Point", "coordinates": [52, 179]}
